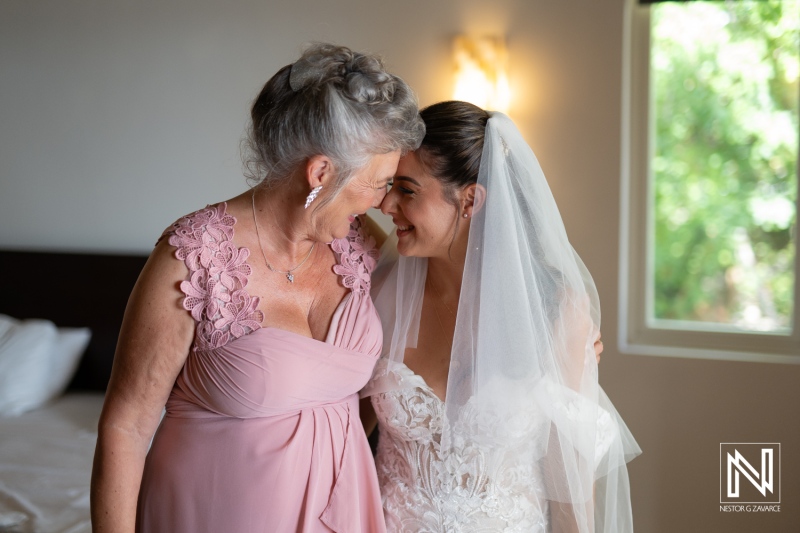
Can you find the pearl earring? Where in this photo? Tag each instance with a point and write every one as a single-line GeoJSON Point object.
{"type": "Point", "coordinates": [466, 215]}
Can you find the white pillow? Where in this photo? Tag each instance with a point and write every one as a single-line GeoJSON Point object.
{"type": "Point", "coordinates": [37, 360]}
{"type": "Point", "coordinates": [64, 359]}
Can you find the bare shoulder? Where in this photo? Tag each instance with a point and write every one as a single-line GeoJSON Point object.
{"type": "Point", "coordinates": [162, 273]}
{"type": "Point", "coordinates": [157, 297]}
{"type": "Point", "coordinates": [155, 336]}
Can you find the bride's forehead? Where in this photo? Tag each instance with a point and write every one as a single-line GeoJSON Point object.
{"type": "Point", "coordinates": [410, 161]}
{"type": "Point", "coordinates": [411, 166]}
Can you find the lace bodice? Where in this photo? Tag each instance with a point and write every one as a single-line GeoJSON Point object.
{"type": "Point", "coordinates": [467, 489]}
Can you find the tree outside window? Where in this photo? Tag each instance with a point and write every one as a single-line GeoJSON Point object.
{"type": "Point", "coordinates": [725, 102]}
{"type": "Point", "coordinates": [710, 186]}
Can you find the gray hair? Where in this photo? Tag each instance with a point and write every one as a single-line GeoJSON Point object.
{"type": "Point", "coordinates": [332, 102]}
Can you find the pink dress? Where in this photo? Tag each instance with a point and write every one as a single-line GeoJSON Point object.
{"type": "Point", "coordinates": [262, 432]}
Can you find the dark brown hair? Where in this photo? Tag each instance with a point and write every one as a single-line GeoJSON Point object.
{"type": "Point", "coordinates": [452, 147]}
{"type": "Point", "coordinates": [453, 143]}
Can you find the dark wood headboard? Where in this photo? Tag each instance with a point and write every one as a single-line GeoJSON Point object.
{"type": "Point", "coordinates": [73, 290]}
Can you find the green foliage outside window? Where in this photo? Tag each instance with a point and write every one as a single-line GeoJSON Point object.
{"type": "Point", "coordinates": [724, 89]}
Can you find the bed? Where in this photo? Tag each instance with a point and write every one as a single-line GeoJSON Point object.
{"type": "Point", "coordinates": [46, 450]}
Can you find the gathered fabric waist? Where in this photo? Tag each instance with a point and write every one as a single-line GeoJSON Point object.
{"type": "Point", "coordinates": [319, 450]}
{"type": "Point", "coordinates": [180, 405]}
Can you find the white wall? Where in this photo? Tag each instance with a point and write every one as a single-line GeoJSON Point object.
{"type": "Point", "coordinates": [117, 117]}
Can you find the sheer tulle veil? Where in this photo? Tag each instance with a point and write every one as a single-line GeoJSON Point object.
{"type": "Point", "coordinates": [523, 384]}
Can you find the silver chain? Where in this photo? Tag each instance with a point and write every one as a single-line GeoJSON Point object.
{"type": "Point", "coordinates": [287, 273]}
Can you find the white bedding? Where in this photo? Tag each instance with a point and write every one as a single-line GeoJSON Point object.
{"type": "Point", "coordinates": [45, 466]}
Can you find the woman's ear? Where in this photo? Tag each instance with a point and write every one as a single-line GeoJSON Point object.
{"type": "Point", "coordinates": [318, 171]}
{"type": "Point", "coordinates": [473, 197]}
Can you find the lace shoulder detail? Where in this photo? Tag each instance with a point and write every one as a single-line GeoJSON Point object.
{"type": "Point", "coordinates": [358, 256]}
{"type": "Point", "coordinates": [218, 271]}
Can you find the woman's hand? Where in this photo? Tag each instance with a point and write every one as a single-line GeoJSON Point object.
{"type": "Point", "coordinates": [153, 344]}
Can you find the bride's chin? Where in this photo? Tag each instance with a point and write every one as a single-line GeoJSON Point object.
{"type": "Point", "coordinates": [404, 248]}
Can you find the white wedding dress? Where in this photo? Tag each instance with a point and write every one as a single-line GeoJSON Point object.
{"type": "Point", "coordinates": [419, 489]}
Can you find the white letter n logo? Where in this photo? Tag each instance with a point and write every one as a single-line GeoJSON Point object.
{"type": "Point", "coordinates": [737, 464]}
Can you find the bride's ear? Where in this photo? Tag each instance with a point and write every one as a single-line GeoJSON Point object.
{"type": "Point", "coordinates": [473, 197]}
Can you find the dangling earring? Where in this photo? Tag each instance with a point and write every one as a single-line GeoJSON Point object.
{"type": "Point", "coordinates": [312, 195]}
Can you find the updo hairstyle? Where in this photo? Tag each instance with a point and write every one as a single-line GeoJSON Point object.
{"type": "Point", "coordinates": [451, 151]}
{"type": "Point", "coordinates": [453, 143]}
{"type": "Point", "coordinates": [452, 147]}
{"type": "Point", "coordinates": [332, 102]}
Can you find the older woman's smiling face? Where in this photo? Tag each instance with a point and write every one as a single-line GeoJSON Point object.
{"type": "Point", "coordinates": [366, 189]}
{"type": "Point", "coordinates": [424, 216]}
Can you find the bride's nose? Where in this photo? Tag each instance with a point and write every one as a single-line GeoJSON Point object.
{"type": "Point", "coordinates": [378, 200]}
{"type": "Point", "coordinates": [389, 204]}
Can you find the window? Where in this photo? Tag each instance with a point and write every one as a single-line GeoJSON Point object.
{"type": "Point", "coordinates": [710, 192]}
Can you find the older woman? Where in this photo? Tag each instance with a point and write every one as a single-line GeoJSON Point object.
{"type": "Point", "coordinates": [255, 333]}
{"type": "Point", "coordinates": [487, 397]}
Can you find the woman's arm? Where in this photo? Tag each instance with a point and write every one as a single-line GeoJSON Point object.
{"type": "Point", "coordinates": [154, 341]}
{"type": "Point", "coordinates": [563, 517]}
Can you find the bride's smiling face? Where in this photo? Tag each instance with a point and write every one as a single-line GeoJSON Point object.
{"type": "Point", "coordinates": [424, 216]}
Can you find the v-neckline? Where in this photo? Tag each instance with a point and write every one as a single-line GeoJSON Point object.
{"type": "Point", "coordinates": [425, 384]}
{"type": "Point", "coordinates": [337, 310]}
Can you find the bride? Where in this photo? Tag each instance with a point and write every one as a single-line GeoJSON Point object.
{"type": "Point", "coordinates": [486, 395]}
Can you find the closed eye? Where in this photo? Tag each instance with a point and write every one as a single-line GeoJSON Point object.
{"type": "Point", "coordinates": [405, 179]}
{"type": "Point", "coordinates": [400, 188]}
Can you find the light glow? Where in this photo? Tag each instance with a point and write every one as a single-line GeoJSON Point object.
{"type": "Point", "coordinates": [481, 72]}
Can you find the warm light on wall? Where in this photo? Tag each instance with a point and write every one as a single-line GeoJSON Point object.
{"type": "Point", "coordinates": [481, 72]}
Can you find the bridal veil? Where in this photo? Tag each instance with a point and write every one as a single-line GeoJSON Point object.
{"type": "Point", "coordinates": [523, 397]}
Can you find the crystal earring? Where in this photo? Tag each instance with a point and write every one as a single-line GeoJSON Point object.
{"type": "Point", "coordinates": [312, 195]}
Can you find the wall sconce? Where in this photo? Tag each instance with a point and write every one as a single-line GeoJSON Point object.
{"type": "Point", "coordinates": [481, 72]}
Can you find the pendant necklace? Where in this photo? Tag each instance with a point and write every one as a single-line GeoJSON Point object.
{"type": "Point", "coordinates": [440, 297]}
{"type": "Point", "coordinates": [287, 273]}
{"type": "Point", "coordinates": [439, 318]}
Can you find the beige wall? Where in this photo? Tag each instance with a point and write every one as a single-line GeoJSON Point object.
{"type": "Point", "coordinates": [117, 117]}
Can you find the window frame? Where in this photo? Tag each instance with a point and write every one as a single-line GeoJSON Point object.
{"type": "Point", "coordinates": [636, 291]}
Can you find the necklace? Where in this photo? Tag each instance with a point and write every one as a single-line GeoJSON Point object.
{"type": "Point", "coordinates": [288, 273]}
{"type": "Point", "coordinates": [440, 297]}
{"type": "Point", "coordinates": [435, 310]}
{"type": "Point", "coordinates": [441, 325]}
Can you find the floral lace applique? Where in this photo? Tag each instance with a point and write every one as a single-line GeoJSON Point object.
{"type": "Point", "coordinates": [465, 489]}
{"type": "Point", "coordinates": [215, 291]}
{"type": "Point", "coordinates": [357, 258]}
